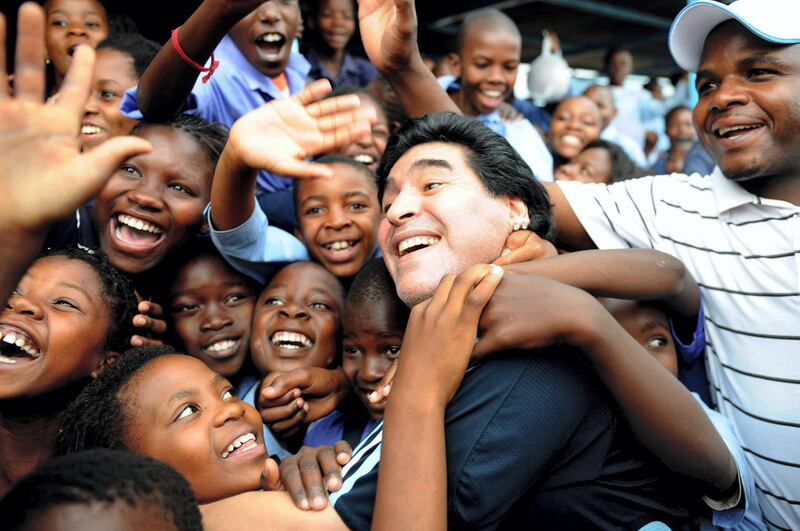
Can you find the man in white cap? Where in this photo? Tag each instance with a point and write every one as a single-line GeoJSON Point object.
{"type": "Point", "coordinates": [737, 229]}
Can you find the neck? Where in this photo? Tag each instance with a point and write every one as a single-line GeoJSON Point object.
{"type": "Point", "coordinates": [27, 437]}
{"type": "Point", "coordinates": [332, 59]}
{"type": "Point", "coordinates": [781, 188]}
{"type": "Point", "coordinates": [462, 103]}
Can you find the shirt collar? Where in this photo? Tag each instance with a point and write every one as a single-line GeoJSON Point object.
{"type": "Point", "coordinates": [255, 80]}
{"type": "Point", "coordinates": [728, 194]}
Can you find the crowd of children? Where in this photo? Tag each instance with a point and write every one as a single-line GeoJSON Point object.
{"type": "Point", "coordinates": [254, 280]}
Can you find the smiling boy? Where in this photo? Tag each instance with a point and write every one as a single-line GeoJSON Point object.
{"type": "Point", "coordinates": [490, 46]}
{"type": "Point", "coordinates": [736, 229]}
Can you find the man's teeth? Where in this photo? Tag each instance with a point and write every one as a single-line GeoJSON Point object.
{"type": "Point", "coordinates": [91, 130]}
{"type": "Point", "coordinates": [338, 246]}
{"type": "Point", "coordinates": [138, 224]}
{"type": "Point", "coordinates": [363, 158]}
{"type": "Point", "coordinates": [722, 131]}
{"type": "Point", "coordinates": [22, 343]}
{"type": "Point", "coordinates": [291, 340]}
{"type": "Point", "coordinates": [220, 346]}
{"type": "Point", "coordinates": [271, 38]}
{"type": "Point", "coordinates": [417, 241]}
{"type": "Point", "coordinates": [237, 443]}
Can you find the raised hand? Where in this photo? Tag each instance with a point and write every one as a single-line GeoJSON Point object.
{"type": "Point", "coordinates": [389, 33]}
{"type": "Point", "coordinates": [43, 175]}
{"type": "Point", "coordinates": [279, 135]}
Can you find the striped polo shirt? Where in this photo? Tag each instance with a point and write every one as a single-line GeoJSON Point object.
{"type": "Point", "coordinates": [744, 252]}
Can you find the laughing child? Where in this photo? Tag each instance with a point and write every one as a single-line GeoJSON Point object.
{"type": "Point", "coordinates": [69, 316]}
{"type": "Point", "coordinates": [333, 25]}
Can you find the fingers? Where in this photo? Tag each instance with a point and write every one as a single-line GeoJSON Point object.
{"type": "Point", "coordinates": [156, 326]}
{"type": "Point", "coordinates": [341, 119]}
{"type": "Point", "coordinates": [280, 400]}
{"type": "Point", "coordinates": [345, 135]}
{"type": "Point", "coordinates": [75, 89]}
{"type": "Point", "coordinates": [442, 292]}
{"type": "Point", "coordinates": [29, 63]}
{"type": "Point", "coordinates": [331, 469]}
{"type": "Point", "coordinates": [4, 81]}
{"type": "Point", "coordinates": [473, 289]}
{"type": "Point", "coordinates": [271, 476]}
{"type": "Point", "coordinates": [343, 452]}
{"type": "Point", "coordinates": [314, 91]}
{"type": "Point", "coordinates": [139, 341]}
{"type": "Point", "coordinates": [291, 425]}
{"type": "Point", "coordinates": [150, 308]}
{"type": "Point", "coordinates": [302, 169]}
{"type": "Point", "coordinates": [312, 480]}
{"type": "Point", "coordinates": [335, 105]}
{"type": "Point", "coordinates": [385, 387]}
{"type": "Point", "coordinates": [101, 162]}
{"type": "Point", "coordinates": [285, 382]}
{"type": "Point", "coordinates": [293, 482]}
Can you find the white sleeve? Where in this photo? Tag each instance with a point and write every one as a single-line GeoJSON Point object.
{"type": "Point", "coordinates": [529, 144]}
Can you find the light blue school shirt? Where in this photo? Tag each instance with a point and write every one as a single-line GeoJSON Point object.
{"type": "Point", "coordinates": [235, 89]}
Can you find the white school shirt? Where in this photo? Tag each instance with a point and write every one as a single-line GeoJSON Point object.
{"type": "Point", "coordinates": [744, 252]}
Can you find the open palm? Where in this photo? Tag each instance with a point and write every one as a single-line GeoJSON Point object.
{"type": "Point", "coordinates": [279, 136]}
{"type": "Point", "coordinates": [389, 32]}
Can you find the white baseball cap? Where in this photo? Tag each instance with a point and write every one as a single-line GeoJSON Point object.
{"type": "Point", "coordinates": [775, 21]}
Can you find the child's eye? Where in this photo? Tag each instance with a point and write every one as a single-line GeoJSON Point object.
{"type": "Point", "coordinates": [274, 301]}
{"type": "Point", "coordinates": [187, 411]}
{"type": "Point", "coordinates": [181, 308]}
{"type": "Point", "coordinates": [392, 352]}
{"type": "Point", "coordinates": [320, 306]}
{"type": "Point", "coordinates": [314, 211]}
{"type": "Point", "coordinates": [357, 206]}
{"type": "Point", "coordinates": [66, 303]}
{"type": "Point", "coordinates": [236, 297]}
{"type": "Point", "coordinates": [59, 23]}
{"type": "Point", "coordinates": [107, 95]}
{"type": "Point", "coordinates": [130, 170]}
{"type": "Point", "coordinates": [386, 207]}
{"type": "Point", "coordinates": [181, 188]}
{"type": "Point", "coordinates": [657, 342]}
{"type": "Point", "coordinates": [351, 352]}
{"type": "Point", "coordinates": [92, 25]}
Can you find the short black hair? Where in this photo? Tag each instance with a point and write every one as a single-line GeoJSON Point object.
{"type": "Point", "coordinates": [611, 52]}
{"type": "Point", "coordinates": [368, 174]}
{"type": "Point", "coordinates": [140, 49]}
{"type": "Point", "coordinates": [491, 157]}
{"type": "Point", "coordinates": [106, 477]}
{"type": "Point", "coordinates": [622, 167]}
{"type": "Point", "coordinates": [211, 136]}
{"type": "Point", "coordinates": [117, 291]}
{"type": "Point", "coordinates": [487, 19]}
{"type": "Point", "coordinates": [97, 418]}
{"type": "Point", "coordinates": [673, 111]}
{"type": "Point", "coordinates": [373, 284]}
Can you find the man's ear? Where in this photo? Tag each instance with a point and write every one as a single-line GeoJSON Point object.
{"type": "Point", "coordinates": [107, 360]}
{"type": "Point", "coordinates": [454, 61]}
{"type": "Point", "coordinates": [518, 211]}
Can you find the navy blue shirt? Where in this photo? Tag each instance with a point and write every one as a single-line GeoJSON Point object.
{"type": "Point", "coordinates": [534, 443]}
{"type": "Point", "coordinates": [355, 71]}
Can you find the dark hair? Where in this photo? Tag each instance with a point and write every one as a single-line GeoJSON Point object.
{"type": "Point", "coordinates": [368, 174]}
{"type": "Point", "coordinates": [106, 477]}
{"type": "Point", "coordinates": [373, 284]}
{"type": "Point", "coordinates": [140, 49]}
{"type": "Point", "coordinates": [97, 418]}
{"type": "Point", "coordinates": [611, 52]}
{"type": "Point", "coordinates": [117, 291]}
{"type": "Point", "coordinates": [346, 90]}
{"type": "Point", "coordinates": [673, 111]}
{"type": "Point", "coordinates": [622, 167]}
{"type": "Point", "coordinates": [210, 136]}
{"type": "Point", "coordinates": [491, 157]}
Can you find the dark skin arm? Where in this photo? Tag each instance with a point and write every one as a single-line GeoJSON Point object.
{"type": "Point", "coordinates": [662, 414]}
{"type": "Point", "coordinates": [39, 150]}
{"type": "Point", "coordinates": [389, 34]}
{"type": "Point", "coordinates": [436, 349]}
{"type": "Point", "coordinates": [168, 80]}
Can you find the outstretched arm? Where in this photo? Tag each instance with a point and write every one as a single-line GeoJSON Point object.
{"type": "Point", "coordinates": [39, 149]}
{"type": "Point", "coordinates": [389, 34]}
{"type": "Point", "coordinates": [277, 137]}
{"type": "Point", "coordinates": [570, 233]}
{"type": "Point", "coordinates": [662, 414]}
{"type": "Point", "coordinates": [168, 80]}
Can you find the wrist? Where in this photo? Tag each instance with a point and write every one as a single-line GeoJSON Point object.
{"type": "Point", "coordinates": [224, 11]}
{"type": "Point", "coordinates": [586, 328]}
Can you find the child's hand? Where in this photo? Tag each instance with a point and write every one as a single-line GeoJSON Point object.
{"type": "Point", "coordinates": [524, 246]}
{"type": "Point", "coordinates": [278, 136]}
{"type": "Point", "coordinates": [385, 387]}
{"type": "Point", "coordinates": [441, 332]}
{"type": "Point", "coordinates": [43, 175]}
{"type": "Point", "coordinates": [389, 32]}
{"type": "Point", "coordinates": [528, 312]}
{"type": "Point", "coordinates": [291, 399]}
{"type": "Point", "coordinates": [307, 474]}
{"type": "Point", "coordinates": [148, 321]}
{"type": "Point", "coordinates": [271, 476]}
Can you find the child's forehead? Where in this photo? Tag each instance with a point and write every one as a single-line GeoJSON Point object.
{"type": "Point", "coordinates": [305, 277]}
{"type": "Point", "coordinates": [64, 270]}
{"type": "Point", "coordinates": [347, 178]}
{"type": "Point", "coordinates": [207, 268]}
{"type": "Point", "coordinates": [479, 36]}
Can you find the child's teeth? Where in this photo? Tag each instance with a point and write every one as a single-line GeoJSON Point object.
{"type": "Point", "coordinates": [10, 339]}
{"type": "Point", "coordinates": [138, 224]}
{"type": "Point", "coordinates": [3, 359]}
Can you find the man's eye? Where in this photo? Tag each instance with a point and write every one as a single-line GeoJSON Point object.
{"type": "Point", "coordinates": [227, 395]}
{"type": "Point", "coordinates": [702, 88]}
{"type": "Point", "coordinates": [432, 186]}
{"type": "Point", "coordinates": [187, 411]}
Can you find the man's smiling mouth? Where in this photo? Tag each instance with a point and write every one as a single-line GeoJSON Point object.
{"type": "Point", "coordinates": [416, 243]}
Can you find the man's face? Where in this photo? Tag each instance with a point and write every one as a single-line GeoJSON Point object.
{"type": "Point", "coordinates": [489, 61]}
{"type": "Point", "coordinates": [439, 219]}
{"type": "Point", "coordinates": [748, 114]}
{"type": "Point", "coordinates": [265, 35]}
